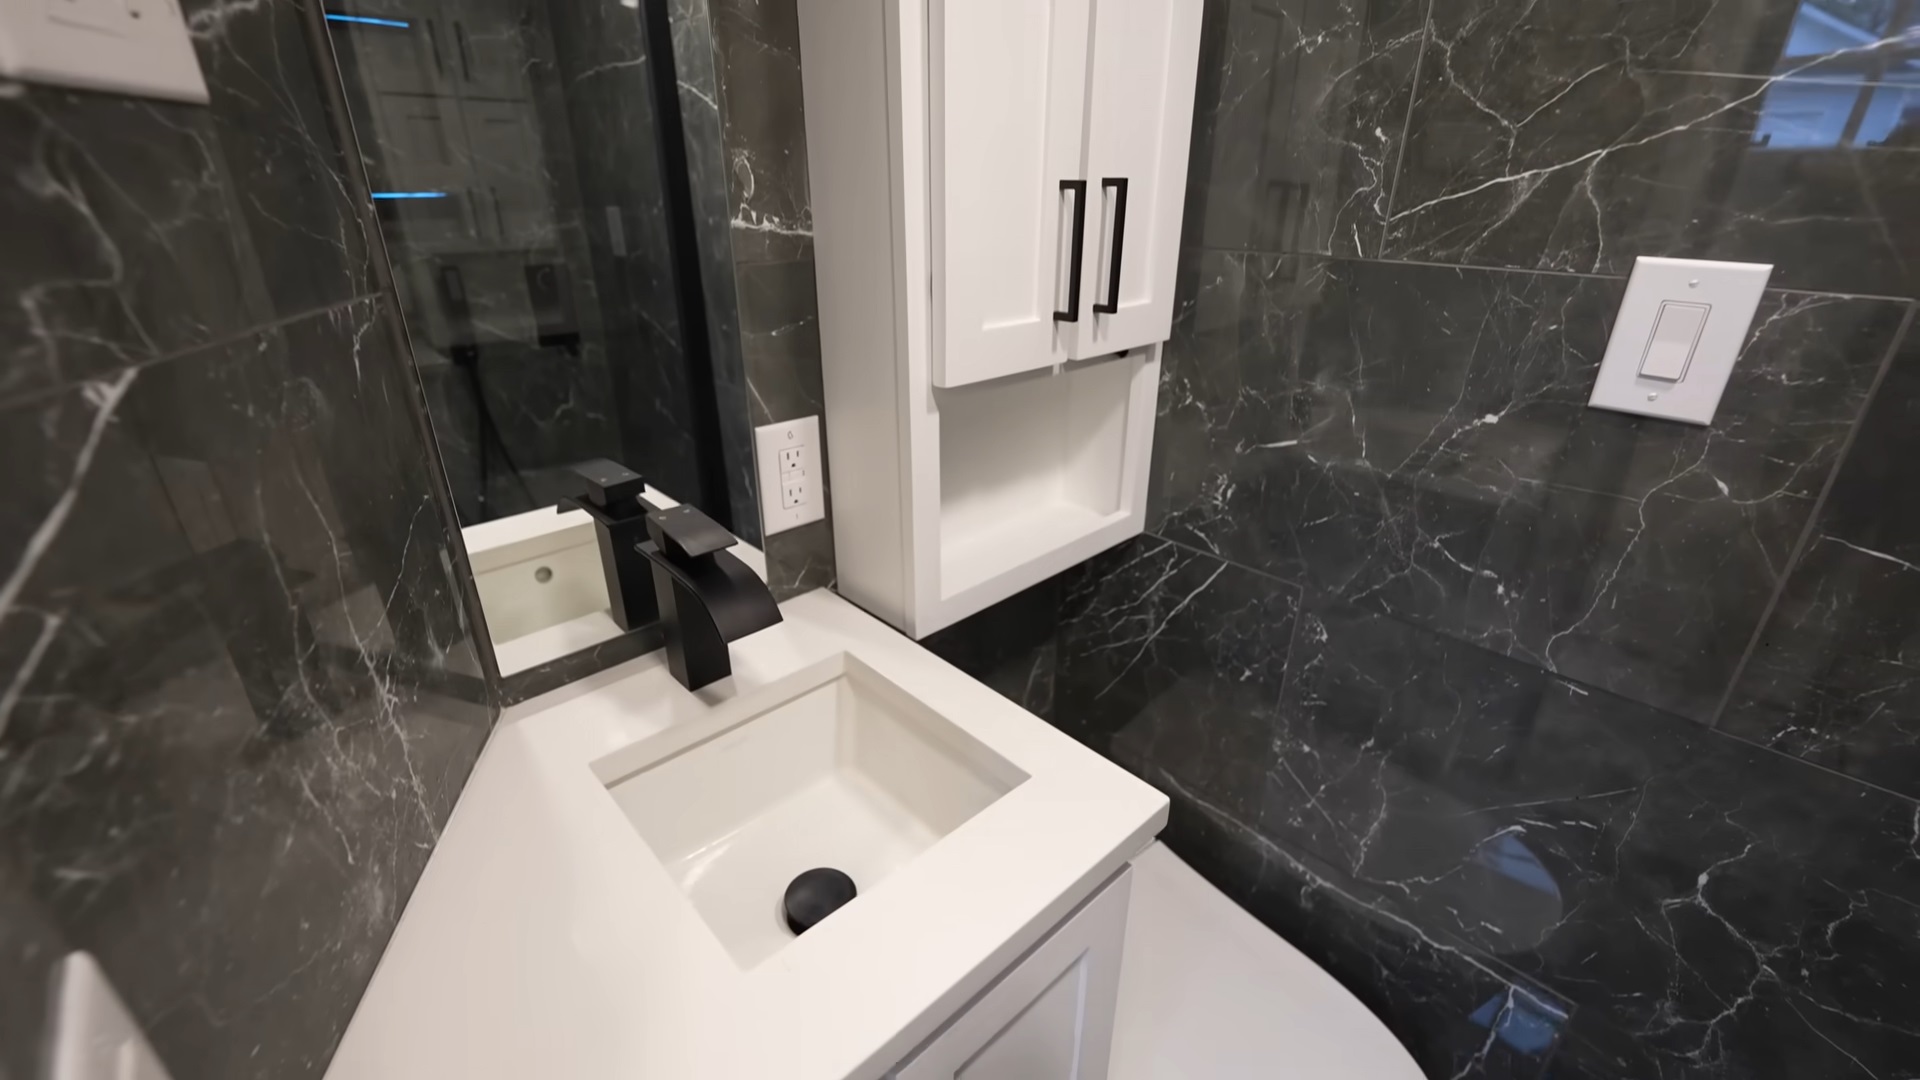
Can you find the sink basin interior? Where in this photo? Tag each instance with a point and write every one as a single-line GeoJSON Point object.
{"type": "Point", "coordinates": [848, 771]}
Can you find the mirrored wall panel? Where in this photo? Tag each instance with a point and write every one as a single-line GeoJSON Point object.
{"type": "Point", "coordinates": [528, 175]}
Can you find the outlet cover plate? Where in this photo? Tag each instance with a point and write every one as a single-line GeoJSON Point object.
{"type": "Point", "coordinates": [140, 47]}
{"type": "Point", "coordinates": [778, 476]}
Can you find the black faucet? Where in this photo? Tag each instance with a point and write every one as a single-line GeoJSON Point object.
{"type": "Point", "coordinates": [612, 500]}
{"type": "Point", "coordinates": [707, 596]}
{"type": "Point", "coordinates": [703, 596]}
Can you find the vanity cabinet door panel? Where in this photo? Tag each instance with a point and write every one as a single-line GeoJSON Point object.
{"type": "Point", "coordinates": [1140, 120]}
{"type": "Point", "coordinates": [1050, 1017]}
{"type": "Point", "coordinates": [1008, 95]}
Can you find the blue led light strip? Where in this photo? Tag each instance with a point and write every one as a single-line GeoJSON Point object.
{"type": "Point", "coordinates": [368, 20]}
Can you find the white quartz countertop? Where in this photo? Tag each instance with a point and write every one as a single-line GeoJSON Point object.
{"type": "Point", "coordinates": [545, 940]}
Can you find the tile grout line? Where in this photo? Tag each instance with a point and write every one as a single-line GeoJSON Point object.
{"type": "Point", "coordinates": [1910, 800]}
{"type": "Point", "coordinates": [1406, 124]}
{"type": "Point", "coordinates": [1798, 554]}
{"type": "Point", "coordinates": [1495, 269]}
{"type": "Point", "coordinates": [1305, 591]}
{"type": "Point", "coordinates": [31, 397]}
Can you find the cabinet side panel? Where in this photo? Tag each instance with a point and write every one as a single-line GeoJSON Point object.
{"type": "Point", "coordinates": [844, 72]}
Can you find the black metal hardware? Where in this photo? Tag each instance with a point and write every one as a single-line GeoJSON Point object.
{"type": "Point", "coordinates": [707, 596]}
{"type": "Point", "coordinates": [1079, 189]}
{"type": "Point", "coordinates": [1119, 183]}
{"type": "Point", "coordinates": [433, 46]}
{"type": "Point", "coordinates": [671, 565]}
{"type": "Point", "coordinates": [612, 499]}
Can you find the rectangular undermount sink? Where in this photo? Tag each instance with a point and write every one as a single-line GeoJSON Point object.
{"type": "Point", "coordinates": [843, 770]}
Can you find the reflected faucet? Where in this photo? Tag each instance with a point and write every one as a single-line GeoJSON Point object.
{"type": "Point", "coordinates": [702, 594]}
{"type": "Point", "coordinates": [612, 499]}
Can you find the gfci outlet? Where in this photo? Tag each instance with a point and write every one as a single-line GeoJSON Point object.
{"type": "Point", "coordinates": [788, 457]}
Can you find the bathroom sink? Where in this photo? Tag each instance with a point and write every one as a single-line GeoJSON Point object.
{"type": "Point", "coordinates": [842, 769]}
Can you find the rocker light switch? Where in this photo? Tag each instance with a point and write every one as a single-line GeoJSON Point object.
{"type": "Point", "coordinates": [1675, 332]}
{"type": "Point", "coordinates": [1681, 326]}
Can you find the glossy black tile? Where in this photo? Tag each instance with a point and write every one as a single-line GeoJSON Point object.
{"type": "Point", "coordinates": [1171, 656]}
{"type": "Point", "coordinates": [303, 229]}
{"type": "Point", "coordinates": [780, 345]}
{"type": "Point", "coordinates": [703, 139]}
{"type": "Point", "coordinates": [1835, 674]}
{"type": "Point", "coordinates": [1297, 122]}
{"type": "Point", "coordinates": [1670, 882]}
{"type": "Point", "coordinates": [241, 697]}
{"type": "Point", "coordinates": [154, 227]}
{"type": "Point", "coordinates": [757, 61]}
{"type": "Point", "coordinates": [1417, 812]}
{"type": "Point", "coordinates": [137, 235]}
{"type": "Point", "coordinates": [1416, 439]}
{"type": "Point", "coordinates": [1458, 1013]}
{"type": "Point", "coordinates": [1566, 136]}
{"type": "Point", "coordinates": [1012, 646]}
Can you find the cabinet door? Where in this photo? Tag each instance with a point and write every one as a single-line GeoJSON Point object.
{"type": "Point", "coordinates": [490, 48]}
{"type": "Point", "coordinates": [1140, 118]}
{"type": "Point", "coordinates": [1050, 1017]}
{"type": "Point", "coordinates": [512, 200]}
{"type": "Point", "coordinates": [1008, 87]}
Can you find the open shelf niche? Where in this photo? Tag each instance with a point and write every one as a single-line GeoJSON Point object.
{"type": "Point", "coordinates": [980, 491]}
{"type": "Point", "coordinates": [1032, 472]}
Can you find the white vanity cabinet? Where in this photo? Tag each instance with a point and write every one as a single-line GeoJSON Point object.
{"type": "Point", "coordinates": [1050, 1016]}
{"type": "Point", "coordinates": [997, 188]}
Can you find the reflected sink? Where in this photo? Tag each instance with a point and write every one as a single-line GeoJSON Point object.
{"type": "Point", "coordinates": [843, 769]}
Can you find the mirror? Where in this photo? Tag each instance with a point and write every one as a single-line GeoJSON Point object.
{"type": "Point", "coordinates": [529, 171]}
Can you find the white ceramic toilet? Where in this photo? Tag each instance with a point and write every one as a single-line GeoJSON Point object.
{"type": "Point", "coordinates": [1208, 993]}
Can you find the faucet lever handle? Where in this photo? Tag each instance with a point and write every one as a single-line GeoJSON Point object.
{"type": "Point", "coordinates": [611, 486]}
{"type": "Point", "coordinates": [688, 533]}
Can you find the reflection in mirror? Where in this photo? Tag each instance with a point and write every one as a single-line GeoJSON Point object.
{"type": "Point", "coordinates": [527, 171]}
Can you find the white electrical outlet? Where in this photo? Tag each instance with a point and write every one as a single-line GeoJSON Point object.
{"type": "Point", "coordinates": [124, 46]}
{"type": "Point", "coordinates": [788, 455]}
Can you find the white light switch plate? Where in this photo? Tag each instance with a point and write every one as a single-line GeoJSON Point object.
{"type": "Point", "coordinates": [124, 46]}
{"type": "Point", "coordinates": [1730, 293]}
{"type": "Point", "coordinates": [788, 457]}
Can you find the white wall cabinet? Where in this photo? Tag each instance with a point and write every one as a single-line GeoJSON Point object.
{"type": "Point", "coordinates": [1050, 1016]}
{"type": "Point", "coordinates": [1057, 160]}
{"type": "Point", "coordinates": [997, 188]}
{"type": "Point", "coordinates": [1139, 119]}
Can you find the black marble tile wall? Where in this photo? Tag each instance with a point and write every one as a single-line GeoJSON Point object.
{"type": "Point", "coordinates": [238, 694]}
{"type": "Point", "coordinates": [1574, 744]}
{"type": "Point", "coordinates": [1835, 674]}
{"type": "Point", "coordinates": [710, 191]}
{"type": "Point", "coordinates": [756, 50]}
{"type": "Point", "coordinates": [1416, 439]}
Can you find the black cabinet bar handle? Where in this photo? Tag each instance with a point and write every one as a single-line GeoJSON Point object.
{"type": "Point", "coordinates": [433, 46]}
{"type": "Point", "coordinates": [1112, 306]}
{"type": "Point", "coordinates": [1079, 189]}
